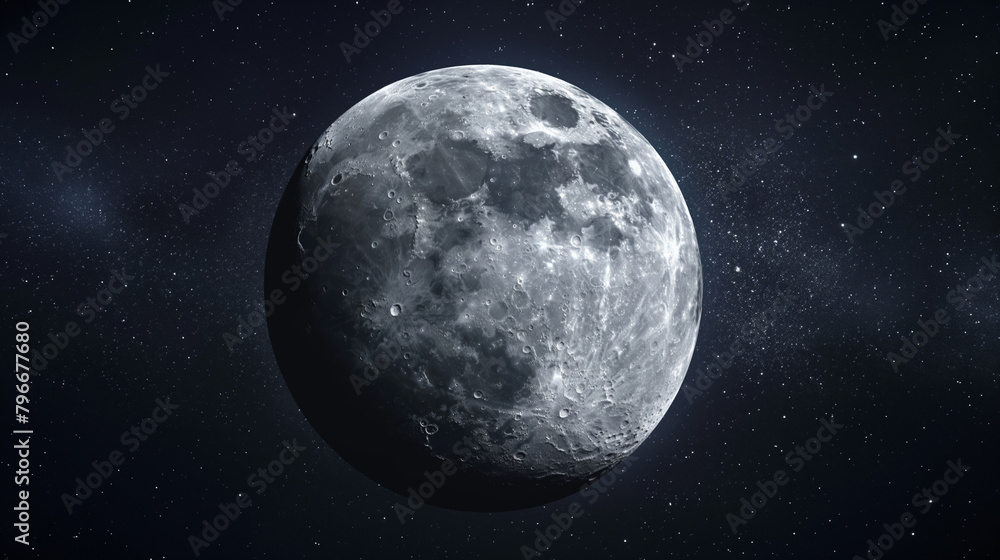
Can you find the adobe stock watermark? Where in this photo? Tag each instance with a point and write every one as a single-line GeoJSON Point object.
{"type": "Point", "coordinates": [386, 353]}
{"type": "Point", "coordinates": [924, 500]}
{"type": "Point", "coordinates": [251, 149]}
{"type": "Point", "coordinates": [566, 9]}
{"type": "Point", "coordinates": [963, 293]}
{"type": "Point", "coordinates": [899, 17]}
{"type": "Point", "coordinates": [229, 512]}
{"type": "Point", "coordinates": [434, 480]}
{"type": "Point", "coordinates": [223, 7]}
{"type": "Point", "coordinates": [88, 309]}
{"type": "Point", "coordinates": [796, 459]}
{"type": "Point", "coordinates": [132, 439]}
{"type": "Point", "coordinates": [29, 29]}
{"type": "Point", "coordinates": [749, 334]}
{"type": "Point", "coordinates": [699, 42]}
{"type": "Point", "coordinates": [914, 167]}
{"type": "Point", "coordinates": [123, 107]}
{"type": "Point", "coordinates": [561, 522]}
{"type": "Point", "coordinates": [786, 127]}
{"type": "Point", "coordinates": [293, 278]}
{"type": "Point", "coordinates": [363, 36]}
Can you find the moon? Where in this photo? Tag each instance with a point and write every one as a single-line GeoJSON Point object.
{"type": "Point", "coordinates": [486, 288]}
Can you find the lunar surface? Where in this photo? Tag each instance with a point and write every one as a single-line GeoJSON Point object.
{"type": "Point", "coordinates": [502, 283]}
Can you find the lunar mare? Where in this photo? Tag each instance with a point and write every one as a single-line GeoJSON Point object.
{"type": "Point", "coordinates": [517, 286]}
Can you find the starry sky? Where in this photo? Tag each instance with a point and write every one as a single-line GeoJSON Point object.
{"type": "Point", "coordinates": [170, 92]}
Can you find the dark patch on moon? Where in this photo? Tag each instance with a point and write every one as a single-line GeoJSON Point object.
{"type": "Point", "coordinates": [555, 110]}
{"type": "Point", "coordinates": [448, 171]}
{"type": "Point", "coordinates": [506, 380]}
{"type": "Point", "coordinates": [601, 232]}
{"type": "Point", "coordinates": [513, 183]}
{"type": "Point", "coordinates": [607, 167]}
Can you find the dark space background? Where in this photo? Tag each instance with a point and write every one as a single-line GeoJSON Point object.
{"type": "Point", "coordinates": [825, 357]}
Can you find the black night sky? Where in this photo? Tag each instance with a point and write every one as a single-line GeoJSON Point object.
{"type": "Point", "coordinates": [99, 239]}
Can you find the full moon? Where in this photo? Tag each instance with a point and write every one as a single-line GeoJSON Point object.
{"type": "Point", "coordinates": [485, 286]}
